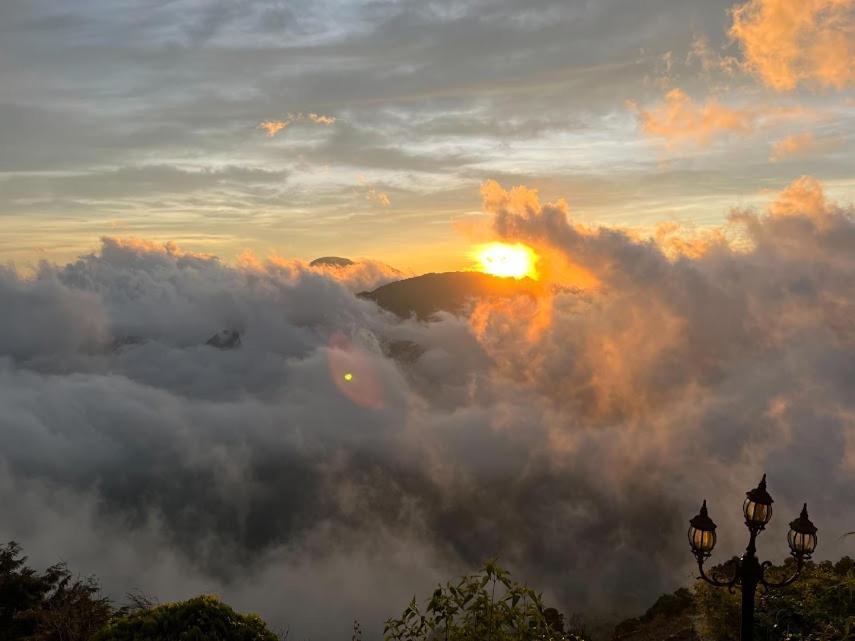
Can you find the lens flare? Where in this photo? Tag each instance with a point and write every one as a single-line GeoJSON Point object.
{"type": "Point", "coordinates": [506, 260]}
{"type": "Point", "coordinates": [355, 372]}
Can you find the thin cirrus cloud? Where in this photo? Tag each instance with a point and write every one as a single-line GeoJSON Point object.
{"type": "Point", "coordinates": [787, 43]}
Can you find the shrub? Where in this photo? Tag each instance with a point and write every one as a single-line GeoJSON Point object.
{"type": "Point", "coordinates": [484, 607]}
{"type": "Point", "coordinates": [204, 618]}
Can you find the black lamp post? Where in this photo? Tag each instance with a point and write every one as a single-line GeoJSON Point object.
{"type": "Point", "coordinates": [749, 572]}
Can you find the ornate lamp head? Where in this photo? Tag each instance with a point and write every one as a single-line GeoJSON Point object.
{"type": "Point", "coordinates": [758, 506]}
{"type": "Point", "coordinates": [702, 533]}
{"type": "Point", "coordinates": [802, 536]}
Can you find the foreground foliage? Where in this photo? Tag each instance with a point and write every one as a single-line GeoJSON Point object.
{"type": "Point", "coordinates": [820, 606]}
{"type": "Point", "coordinates": [204, 618]}
{"type": "Point", "coordinates": [486, 606]}
{"type": "Point", "coordinates": [47, 606]}
{"type": "Point", "coordinates": [55, 606]}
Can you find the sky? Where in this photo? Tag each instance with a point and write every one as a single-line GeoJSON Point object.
{"type": "Point", "coordinates": [144, 119]}
{"type": "Point", "coordinates": [683, 171]}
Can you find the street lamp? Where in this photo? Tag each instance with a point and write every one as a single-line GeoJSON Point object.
{"type": "Point", "coordinates": [748, 571]}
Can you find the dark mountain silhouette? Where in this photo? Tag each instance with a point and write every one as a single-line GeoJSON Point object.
{"type": "Point", "coordinates": [449, 291]}
{"type": "Point", "coordinates": [331, 261]}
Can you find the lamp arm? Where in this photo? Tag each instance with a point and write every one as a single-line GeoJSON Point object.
{"type": "Point", "coordinates": [780, 584]}
{"type": "Point", "coordinates": [713, 580]}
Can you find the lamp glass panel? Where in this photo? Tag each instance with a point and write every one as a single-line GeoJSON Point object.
{"type": "Point", "coordinates": [702, 540]}
{"type": "Point", "coordinates": [801, 543]}
{"type": "Point", "coordinates": [757, 512]}
{"type": "Point", "coordinates": [709, 541]}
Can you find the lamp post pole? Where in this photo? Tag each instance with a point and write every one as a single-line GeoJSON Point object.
{"type": "Point", "coordinates": [748, 572]}
{"type": "Point", "coordinates": [751, 573]}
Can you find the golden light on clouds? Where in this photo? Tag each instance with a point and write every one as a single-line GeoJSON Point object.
{"type": "Point", "coordinates": [507, 260]}
{"type": "Point", "coordinates": [790, 42]}
{"type": "Point", "coordinates": [802, 144]}
{"type": "Point", "coordinates": [679, 118]}
{"type": "Point", "coordinates": [273, 127]}
{"type": "Point", "coordinates": [320, 119]}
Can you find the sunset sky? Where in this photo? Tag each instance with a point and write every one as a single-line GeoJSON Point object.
{"type": "Point", "coordinates": [187, 407]}
{"type": "Point", "coordinates": [365, 129]}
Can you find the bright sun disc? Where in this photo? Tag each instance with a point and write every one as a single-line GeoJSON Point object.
{"type": "Point", "coordinates": [508, 261]}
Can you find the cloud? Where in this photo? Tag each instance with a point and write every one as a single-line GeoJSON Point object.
{"type": "Point", "coordinates": [320, 119]}
{"type": "Point", "coordinates": [135, 451]}
{"type": "Point", "coordinates": [805, 198]}
{"type": "Point", "coordinates": [361, 275]}
{"type": "Point", "coordinates": [273, 127]}
{"type": "Point", "coordinates": [803, 144]}
{"type": "Point", "coordinates": [679, 119]}
{"type": "Point", "coordinates": [709, 59]}
{"type": "Point", "coordinates": [377, 196]}
{"type": "Point", "coordinates": [791, 42]}
{"type": "Point", "coordinates": [373, 194]}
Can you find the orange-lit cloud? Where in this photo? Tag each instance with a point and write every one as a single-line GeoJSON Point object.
{"type": "Point", "coordinates": [519, 200]}
{"type": "Point", "coordinates": [790, 42]}
{"type": "Point", "coordinates": [802, 144]}
{"type": "Point", "coordinates": [679, 119]}
{"type": "Point", "coordinates": [273, 127]}
{"type": "Point", "coordinates": [676, 241]}
{"type": "Point", "coordinates": [361, 275]}
{"type": "Point", "coordinates": [320, 119]}
{"type": "Point", "coordinates": [802, 197]}
{"type": "Point", "coordinates": [111, 246]}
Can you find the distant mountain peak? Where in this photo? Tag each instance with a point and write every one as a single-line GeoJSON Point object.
{"type": "Point", "coordinates": [331, 261]}
{"type": "Point", "coordinates": [446, 291]}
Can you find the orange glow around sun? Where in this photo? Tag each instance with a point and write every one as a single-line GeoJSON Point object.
{"type": "Point", "coordinates": [506, 260]}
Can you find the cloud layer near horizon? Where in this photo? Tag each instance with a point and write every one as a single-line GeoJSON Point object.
{"type": "Point", "coordinates": [571, 437]}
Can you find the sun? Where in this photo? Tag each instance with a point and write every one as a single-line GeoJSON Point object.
{"type": "Point", "coordinates": [506, 260]}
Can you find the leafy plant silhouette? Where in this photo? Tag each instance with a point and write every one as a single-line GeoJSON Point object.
{"type": "Point", "coordinates": [487, 606]}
